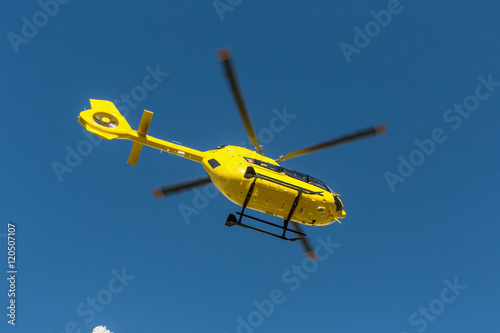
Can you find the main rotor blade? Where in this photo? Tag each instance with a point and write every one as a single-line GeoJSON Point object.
{"type": "Point", "coordinates": [163, 191]}
{"type": "Point", "coordinates": [310, 253]}
{"type": "Point", "coordinates": [375, 130]}
{"type": "Point", "coordinates": [225, 58]}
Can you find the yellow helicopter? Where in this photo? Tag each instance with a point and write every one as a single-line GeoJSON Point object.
{"type": "Point", "coordinates": [246, 177]}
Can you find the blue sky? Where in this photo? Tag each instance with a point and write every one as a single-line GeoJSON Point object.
{"type": "Point", "coordinates": [418, 249]}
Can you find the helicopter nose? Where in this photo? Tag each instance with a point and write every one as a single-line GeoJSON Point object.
{"type": "Point", "coordinates": [338, 204]}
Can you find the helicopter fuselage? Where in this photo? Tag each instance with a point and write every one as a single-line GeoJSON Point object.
{"type": "Point", "coordinates": [233, 169]}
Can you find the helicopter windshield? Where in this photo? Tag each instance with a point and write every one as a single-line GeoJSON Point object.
{"type": "Point", "coordinates": [291, 173]}
{"type": "Point", "coordinates": [319, 183]}
{"type": "Point", "coordinates": [295, 174]}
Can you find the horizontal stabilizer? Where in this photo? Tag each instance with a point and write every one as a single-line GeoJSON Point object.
{"type": "Point", "coordinates": [134, 153]}
{"type": "Point", "coordinates": [133, 158]}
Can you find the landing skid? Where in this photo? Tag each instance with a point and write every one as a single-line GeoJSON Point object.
{"type": "Point", "coordinates": [232, 220]}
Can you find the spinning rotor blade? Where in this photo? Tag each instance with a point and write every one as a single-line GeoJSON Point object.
{"type": "Point", "coordinates": [310, 253]}
{"type": "Point", "coordinates": [163, 191]}
{"type": "Point", "coordinates": [225, 58]}
{"type": "Point", "coordinates": [375, 130]}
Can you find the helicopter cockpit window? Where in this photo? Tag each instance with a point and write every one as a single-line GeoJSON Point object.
{"type": "Point", "coordinates": [338, 204]}
{"type": "Point", "coordinates": [269, 166]}
{"type": "Point", "coordinates": [291, 173]}
{"type": "Point", "coordinates": [295, 174]}
{"type": "Point", "coordinates": [318, 183]}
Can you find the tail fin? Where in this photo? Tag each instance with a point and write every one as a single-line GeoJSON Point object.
{"type": "Point", "coordinates": [104, 120]}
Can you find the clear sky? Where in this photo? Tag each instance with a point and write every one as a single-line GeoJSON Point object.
{"type": "Point", "coordinates": [418, 250]}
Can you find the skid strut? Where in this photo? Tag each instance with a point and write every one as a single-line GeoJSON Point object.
{"type": "Point", "coordinates": [232, 220]}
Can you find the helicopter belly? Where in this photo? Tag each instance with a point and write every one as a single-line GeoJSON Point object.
{"type": "Point", "coordinates": [270, 199]}
{"type": "Point", "coordinates": [275, 200]}
{"type": "Point", "coordinates": [274, 193]}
